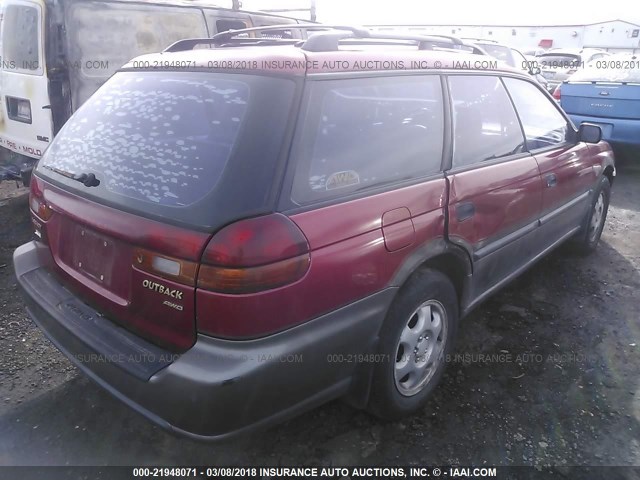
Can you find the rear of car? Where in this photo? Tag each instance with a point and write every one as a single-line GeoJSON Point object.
{"type": "Point", "coordinates": [606, 93]}
{"type": "Point", "coordinates": [558, 65]}
{"type": "Point", "coordinates": [164, 265]}
{"type": "Point", "coordinates": [125, 204]}
{"type": "Point", "coordinates": [512, 57]}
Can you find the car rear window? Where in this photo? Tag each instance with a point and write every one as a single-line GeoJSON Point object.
{"type": "Point", "coordinates": [362, 133]}
{"type": "Point", "coordinates": [161, 141]}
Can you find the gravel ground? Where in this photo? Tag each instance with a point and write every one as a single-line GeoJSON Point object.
{"type": "Point", "coordinates": [547, 372]}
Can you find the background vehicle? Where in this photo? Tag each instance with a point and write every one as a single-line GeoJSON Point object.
{"type": "Point", "coordinates": [536, 52]}
{"type": "Point", "coordinates": [56, 53]}
{"type": "Point", "coordinates": [606, 93]}
{"type": "Point", "coordinates": [241, 270]}
{"type": "Point", "coordinates": [511, 56]}
{"type": "Point", "coordinates": [558, 65]}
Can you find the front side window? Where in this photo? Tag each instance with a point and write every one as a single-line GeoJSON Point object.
{"type": "Point", "coordinates": [20, 38]}
{"type": "Point", "coordinates": [362, 133]}
{"type": "Point", "coordinates": [544, 126]}
{"type": "Point", "coordinates": [485, 125]}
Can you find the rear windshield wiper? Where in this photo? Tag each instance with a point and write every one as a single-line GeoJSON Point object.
{"type": "Point", "coordinates": [87, 179]}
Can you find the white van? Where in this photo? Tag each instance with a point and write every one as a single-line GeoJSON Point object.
{"type": "Point", "coordinates": [55, 53]}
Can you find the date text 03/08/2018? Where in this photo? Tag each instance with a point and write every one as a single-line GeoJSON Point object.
{"type": "Point", "coordinates": [317, 472]}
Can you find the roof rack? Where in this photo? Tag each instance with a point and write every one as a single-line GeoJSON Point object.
{"type": "Point", "coordinates": [226, 38]}
{"type": "Point", "coordinates": [326, 38]}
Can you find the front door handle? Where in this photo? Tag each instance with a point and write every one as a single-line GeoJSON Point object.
{"type": "Point", "coordinates": [552, 180]}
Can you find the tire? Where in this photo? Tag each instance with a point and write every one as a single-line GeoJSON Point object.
{"type": "Point", "coordinates": [401, 385]}
{"type": "Point", "coordinates": [596, 217]}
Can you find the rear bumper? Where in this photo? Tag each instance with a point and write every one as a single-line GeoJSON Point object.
{"type": "Point", "coordinates": [218, 388]}
{"type": "Point", "coordinates": [614, 130]}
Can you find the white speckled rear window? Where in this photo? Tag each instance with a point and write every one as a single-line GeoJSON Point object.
{"type": "Point", "coordinates": [158, 137]}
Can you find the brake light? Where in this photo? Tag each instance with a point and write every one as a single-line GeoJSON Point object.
{"type": "Point", "coordinates": [556, 93]}
{"type": "Point", "coordinates": [254, 255]}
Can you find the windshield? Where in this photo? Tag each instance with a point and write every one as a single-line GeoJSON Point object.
{"type": "Point", "coordinates": [160, 141]}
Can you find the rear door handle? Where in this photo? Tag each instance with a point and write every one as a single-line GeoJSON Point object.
{"type": "Point", "coordinates": [552, 180]}
{"type": "Point", "coordinates": [465, 211]}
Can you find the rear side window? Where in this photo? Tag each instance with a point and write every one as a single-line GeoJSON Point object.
{"type": "Point", "coordinates": [485, 124]}
{"type": "Point", "coordinates": [162, 141]}
{"type": "Point", "coordinates": [20, 38]}
{"type": "Point", "coordinates": [544, 126]}
{"type": "Point", "coordinates": [361, 133]}
{"type": "Point", "coordinates": [224, 25]}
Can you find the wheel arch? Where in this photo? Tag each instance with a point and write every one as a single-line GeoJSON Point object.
{"type": "Point", "coordinates": [440, 255]}
{"type": "Point", "coordinates": [610, 173]}
{"type": "Point", "coordinates": [448, 258]}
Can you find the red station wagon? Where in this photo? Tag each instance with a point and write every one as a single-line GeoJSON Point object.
{"type": "Point", "coordinates": [228, 236]}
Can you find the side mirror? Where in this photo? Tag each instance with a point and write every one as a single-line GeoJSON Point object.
{"type": "Point", "coordinates": [589, 133]}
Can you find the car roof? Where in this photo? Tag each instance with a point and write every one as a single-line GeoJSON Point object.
{"type": "Point", "coordinates": [335, 52]}
{"type": "Point", "coordinates": [294, 61]}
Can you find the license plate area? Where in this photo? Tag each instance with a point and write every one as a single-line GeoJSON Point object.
{"type": "Point", "coordinates": [94, 255]}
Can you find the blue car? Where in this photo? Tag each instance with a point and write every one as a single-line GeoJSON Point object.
{"type": "Point", "coordinates": [607, 93]}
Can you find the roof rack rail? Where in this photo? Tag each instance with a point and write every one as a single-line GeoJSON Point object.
{"type": "Point", "coordinates": [227, 37]}
{"type": "Point", "coordinates": [327, 38]}
{"type": "Point", "coordinates": [191, 43]}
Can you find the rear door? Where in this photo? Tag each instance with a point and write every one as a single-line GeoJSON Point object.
{"type": "Point", "coordinates": [27, 127]}
{"type": "Point", "coordinates": [566, 167]}
{"type": "Point", "coordinates": [102, 36]}
{"type": "Point", "coordinates": [495, 190]}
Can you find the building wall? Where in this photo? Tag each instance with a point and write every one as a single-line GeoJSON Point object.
{"type": "Point", "coordinates": [615, 35]}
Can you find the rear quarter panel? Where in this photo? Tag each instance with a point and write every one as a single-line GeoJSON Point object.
{"type": "Point", "coordinates": [349, 260]}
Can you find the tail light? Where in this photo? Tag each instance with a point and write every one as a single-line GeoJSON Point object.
{"type": "Point", "coordinates": [254, 255]}
{"type": "Point", "coordinates": [556, 93]}
{"type": "Point", "coordinates": [181, 271]}
{"type": "Point", "coordinates": [40, 211]}
{"type": "Point", "coordinates": [36, 200]}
